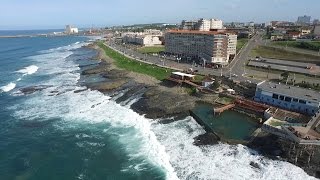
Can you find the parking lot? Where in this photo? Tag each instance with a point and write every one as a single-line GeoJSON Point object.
{"type": "Point", "coordinates": [282, 65]}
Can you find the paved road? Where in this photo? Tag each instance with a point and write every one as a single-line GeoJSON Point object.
{"type": "Point", "coordinates": [237, 66]}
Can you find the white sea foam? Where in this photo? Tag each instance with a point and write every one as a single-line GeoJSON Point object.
{"type": "Point", "coordinates": [92, 107]}
{"type": "Point", "coordinates": [29, 70]}
{"type": "Point", "coordinates": [8, 87]}
{"type": "Point", "coordinates": [221, 161]}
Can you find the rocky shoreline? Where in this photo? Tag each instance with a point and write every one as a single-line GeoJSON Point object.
{"type": "Point", "coordinates": [155, 97]}
{"type": "Point", "coordinates": [160, 100]}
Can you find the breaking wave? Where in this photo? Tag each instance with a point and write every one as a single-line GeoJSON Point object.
{"type": "Point", "coordinates": [8, 87]}
{"type": "Point", "coordinates": [29, 70]}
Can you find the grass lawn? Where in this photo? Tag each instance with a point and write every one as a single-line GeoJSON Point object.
{"type": "Point", "coordinates": [276, 123]}
{"type": "Point", "coordinates": [312, 45]}
{"type": "Point", "coordinates": [276, 53]}
{"type": "Point", "coordinates": [135, 66]}
{"type": "Point", "coordinates": [225, 100]}
{"type": "Point", "coordinates": [241, 42]}
{"type": "Point", "coordinates": [151, 49]}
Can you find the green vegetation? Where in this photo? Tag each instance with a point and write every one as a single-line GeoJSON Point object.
{"type": "Point", "coordinates": [276, 53]}
{"type": "Point", "coordinates": [123, 62]}
{"type": "Point", "coordinates": [276, 123]}
{"type": "Point", "coordinates": [215, 85]}
{"type": "Point", "coordinates": [198, 78]}
{"type": "Point", "coordinates": [312, 45]}
{"type": "Point", "coordinates": [151, 49]}
{"type": "Point", "coordinates": [225, 100]}
{"type": "Point", "coordinates": [241, 42]}
{"type": "Point", "coordinates": [191, 90]}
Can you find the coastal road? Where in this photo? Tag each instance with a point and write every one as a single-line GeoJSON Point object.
{"type": "Point", "coordinates": [236, 66]}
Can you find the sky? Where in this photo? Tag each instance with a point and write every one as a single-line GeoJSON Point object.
{"type": "Point", "coordinates": [55, 14]}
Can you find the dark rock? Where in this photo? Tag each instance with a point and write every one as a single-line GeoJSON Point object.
{"type": "Point", "coordinates": [156, 103]}
{"type": "Point", "coordinates": [81, 90]}
{"type": "Point", "coordinates": [255, 165]}
{"type": "Point", "coordinates": [206, 139]}
{"type": "Point", "coordinates": [33, 89]}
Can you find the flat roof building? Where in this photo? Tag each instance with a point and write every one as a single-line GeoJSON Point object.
{"type": "Point", "coordinates": [212, 46]}
{"type": "Point", "coordinates": [288, 97]}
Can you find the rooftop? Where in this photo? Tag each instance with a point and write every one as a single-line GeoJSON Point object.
{"type": "Point", "coordinates": [292, 91]}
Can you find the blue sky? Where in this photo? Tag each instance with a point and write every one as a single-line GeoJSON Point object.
{"type": "Point", "coordinates": [44, 14]}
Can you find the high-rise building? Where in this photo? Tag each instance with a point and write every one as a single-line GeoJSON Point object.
{"type": "Point", "coordinates": [202, 24]}
{"type": "Point", "coordinates": [304, 20]}
{"type": "Point", "coordinates": [212, 46]}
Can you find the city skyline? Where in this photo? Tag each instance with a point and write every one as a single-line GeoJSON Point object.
{"type": "Point", "coordinates": [36, 14]}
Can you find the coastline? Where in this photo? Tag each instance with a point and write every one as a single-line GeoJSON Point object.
{"type": "Point", "coordinates": [160, 100]}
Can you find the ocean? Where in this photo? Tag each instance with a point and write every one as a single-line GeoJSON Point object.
{"type": "Point", "coordinates": [65, 131]}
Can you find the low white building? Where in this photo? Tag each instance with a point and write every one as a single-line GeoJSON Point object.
{"type": "Point", "coordinates": [71, 30]}
{"type": "Point", "coordinates": [144, 40]}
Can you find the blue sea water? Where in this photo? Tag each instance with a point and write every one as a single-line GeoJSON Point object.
{"type": "Point", "coordinates": [65, 131]}
{"type": "Point", "coordinates": [28, 32]}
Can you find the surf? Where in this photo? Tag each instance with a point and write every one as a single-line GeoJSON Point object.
{"type": "Point", "coordinates": [28, 70]}
{"type": "Point", "coordinates": [8, 87]}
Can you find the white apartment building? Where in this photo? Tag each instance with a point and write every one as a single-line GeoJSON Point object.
{"type": "Point", "coordinates": [212, 46]}
{"type": "Point", "coordinates": [141, 39]}
{"type": "Point", "coordinates": [216, 24]}
{"type": "Point", "coordinates": [232, 45]}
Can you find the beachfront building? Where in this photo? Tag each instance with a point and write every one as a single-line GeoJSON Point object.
{"type": "Point", "coordinates": [71, 30]}
{"type": "Point", "coordinates": [288, 97]}
{"type": "Point", "coordinates": [213, 47]}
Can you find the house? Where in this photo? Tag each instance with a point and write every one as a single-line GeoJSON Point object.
{"type": "Point", "coordinates": [292, 35]}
